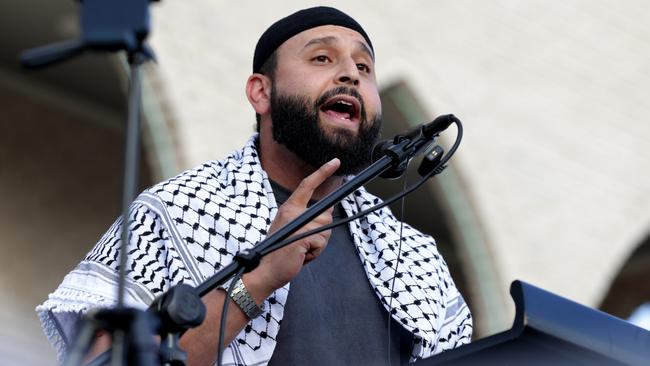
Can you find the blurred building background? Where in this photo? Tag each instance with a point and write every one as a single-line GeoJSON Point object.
{"type": "Point", "coordinates": [551, 184]}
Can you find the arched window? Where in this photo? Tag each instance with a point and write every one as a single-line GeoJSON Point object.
{"type": "Point", "coordinates": [442, 209]}
{"type": "Point", "coordinates": [630, 289]}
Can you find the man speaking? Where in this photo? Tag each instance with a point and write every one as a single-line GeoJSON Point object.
{"type": "Point", "coordinates": [341, 297]}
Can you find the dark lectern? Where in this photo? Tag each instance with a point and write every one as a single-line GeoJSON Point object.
{"type": "Point", "coordinates": [551, 330]}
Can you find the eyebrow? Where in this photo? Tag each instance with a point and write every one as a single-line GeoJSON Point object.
{"type": "Point", "coordinates": [329, 40]}
{"type": "Point", "coordinates": [367, 50]}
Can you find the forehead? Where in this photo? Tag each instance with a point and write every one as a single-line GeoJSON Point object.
{"type": "Point", "coordinates": [340, 34]}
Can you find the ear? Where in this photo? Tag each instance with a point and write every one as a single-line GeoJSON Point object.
{"type": "Point", "coordinates": [258, 91]}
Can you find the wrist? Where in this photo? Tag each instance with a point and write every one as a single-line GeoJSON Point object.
{"type": "Point", "coordinates": [257, 287]}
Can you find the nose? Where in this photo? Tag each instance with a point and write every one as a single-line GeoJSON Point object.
{"type": "Point", "coordinates": [348, 73]}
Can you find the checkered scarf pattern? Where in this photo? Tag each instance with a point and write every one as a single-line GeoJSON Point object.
{"type": "Point", "coordinates": [184, 230]}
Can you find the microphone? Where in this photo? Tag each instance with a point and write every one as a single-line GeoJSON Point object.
{"type": "Point", "coordinates": [417, 137]}
{"type": "Point", "coordinates": [438, 125]}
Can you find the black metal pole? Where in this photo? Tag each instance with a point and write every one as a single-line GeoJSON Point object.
{"type": "Point", "coordinates": [130, 184]}
{"type": "Point", "coordinates": [131, 162]}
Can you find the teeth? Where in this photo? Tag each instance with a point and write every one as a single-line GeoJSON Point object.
{"type": "Point", "coordinates": [343, 106]}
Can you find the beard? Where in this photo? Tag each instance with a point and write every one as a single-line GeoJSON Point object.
{"type": "Point", "coordinates": [296, 125]}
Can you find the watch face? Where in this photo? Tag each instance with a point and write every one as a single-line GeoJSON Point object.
{"type": "Point", "coordinates": [244, 300]}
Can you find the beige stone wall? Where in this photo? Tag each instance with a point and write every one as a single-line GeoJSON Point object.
{"type": "Point", "coordinates": [553, 96]}
{"type": "Point", "coordinates": [60, 178]}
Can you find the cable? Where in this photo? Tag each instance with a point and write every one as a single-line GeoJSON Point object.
{"type": "Point", "coordinates": [351, 218]}
{"type": "Point", "coordinates": [224, 316]}
{"type": "Point", "coordinates": [344, 221]}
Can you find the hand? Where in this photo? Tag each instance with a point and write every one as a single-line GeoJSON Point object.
{"type": "Point", "coordinates": [281, 266]}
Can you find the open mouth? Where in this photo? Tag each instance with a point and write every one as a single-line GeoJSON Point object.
{"type": "Point", "coordinates": [342, 107]}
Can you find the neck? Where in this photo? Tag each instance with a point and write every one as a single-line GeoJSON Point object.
{"type": "Point", "coordinates": [287, 169]}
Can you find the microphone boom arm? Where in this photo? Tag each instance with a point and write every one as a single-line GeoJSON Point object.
{"type": "Point", "coordinates": [250, 258]}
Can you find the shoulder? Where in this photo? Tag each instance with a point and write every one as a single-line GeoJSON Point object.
{"type": "Point", "coordinates": [214, 179]}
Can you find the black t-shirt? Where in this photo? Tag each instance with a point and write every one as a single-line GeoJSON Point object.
{"type": "Point", "coordinates": [332, 316]}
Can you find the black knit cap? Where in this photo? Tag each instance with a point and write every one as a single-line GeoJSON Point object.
{"type": "Point", "coordinates": [297, 22]}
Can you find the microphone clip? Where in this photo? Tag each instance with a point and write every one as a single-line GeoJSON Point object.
{"type": "Point", "coordinates": [403, 147]}
{"type": "Point", "coordinates": [399, 153]}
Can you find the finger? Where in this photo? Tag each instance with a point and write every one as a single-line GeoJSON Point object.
{"type": "Point", "coordinates": [317, 246]}
{"type": "Point", "coordinates": [305, 190]}
{"type": "Point", "coordinates": [323, 219]}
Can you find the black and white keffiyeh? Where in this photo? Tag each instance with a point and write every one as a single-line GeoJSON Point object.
{"type": "Point", "coordinates": [187, 228]}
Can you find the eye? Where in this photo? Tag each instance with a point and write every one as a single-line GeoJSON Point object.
{"type": "Point", "coordinates": [363, 67]}
{"type": "Point", "coordinates": [321, 58]}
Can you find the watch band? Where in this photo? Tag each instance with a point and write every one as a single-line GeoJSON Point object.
{"type": "Point", "coordinates": [243, 298]}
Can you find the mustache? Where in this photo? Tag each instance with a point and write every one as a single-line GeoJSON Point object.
{"type": "Point", "coordinates": [341, 90]}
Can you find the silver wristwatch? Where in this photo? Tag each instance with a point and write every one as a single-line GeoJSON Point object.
{"type": "Point", "coordinates": [241, 296]}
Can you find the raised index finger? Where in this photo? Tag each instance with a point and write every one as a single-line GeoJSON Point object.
{"type": "Point", "coordinates": [305, 190]}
